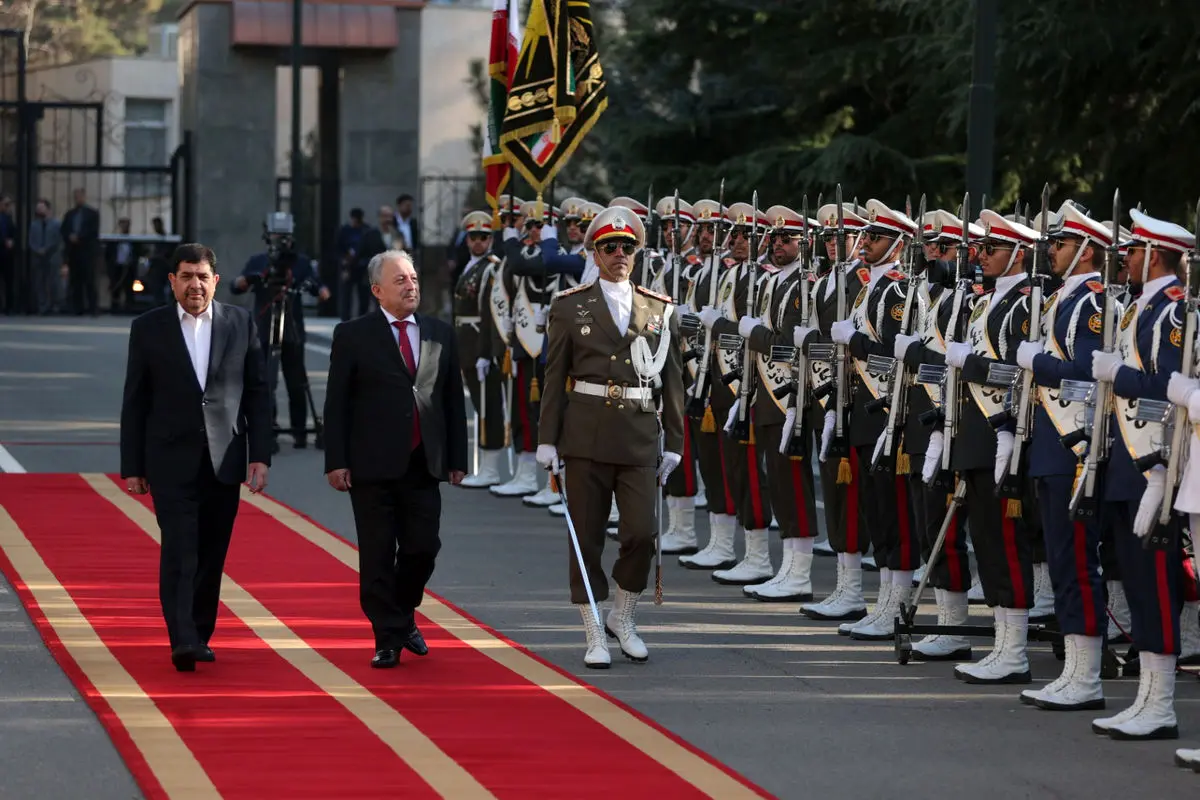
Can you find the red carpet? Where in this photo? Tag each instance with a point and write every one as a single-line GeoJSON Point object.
{"type": "Point", "coordinates": [261, 723]}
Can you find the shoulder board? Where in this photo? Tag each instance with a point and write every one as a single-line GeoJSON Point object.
{"type": "Point", "coordinates": [729, 262]}
{"type": "Point", "coordinates": [1025, 289]}
{"type": "Point", "coordinates": [1095, 286]}
{"type": "Point", "coordinates": [655, 295]}
{"type": "Point", "coordinates": [812, 277]}
{"type": "Point", "coordinates": [693, 258]}
{"type": "Point", "coordinates": [895, 274]}
{"type": "Point", "coordinates": [977, 289]}
{"type": "Point", "coordinates": [1174, 292]}
{"type": "Point", "coordinates": [864, 275]}
{"type": "Point", "coordinates": [573, 290]}
{"type": "Point", "coordinates": [770, 269]}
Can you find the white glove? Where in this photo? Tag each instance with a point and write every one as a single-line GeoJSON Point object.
{"type": "Point", "coordinates": [1147, 513]}
{"type": "Point", "coordinates": [709, 315]}
{"type": "Point", "coordinates": [1027, 352]}
{"type": "Point", "coordinates": [547, 457]}
{"type": "Point", "coordinates": [956, 354]}
{"type": "Point", "coordinates": [1180, 389]}
{"type": "Point", "coordinates": [878, 448]}
{"type": "Point", "coordinates": [746, 326]}
{"type": "Point", "coordinates": [1105, 366]}
{"type": "Point", "coordinates": [539, 318]}
{"type": "Point", "coordinates": [801, 334]}
{"type": "Point", "coordinates": [789, 424]}
{"type": "Point", "coordinates": [1004, 451]}
{"type": "Point", "coordinates": [933, 457]}
{"type": "Point", "coordinates": [842, 331]}
{"type": "Point", "coordinates": [827, 433]}
{"type": "Point", "coordinates": [901, 345]}
{"type": "Point", "coordinates": [733, 415]}
{"type": "Point", "coordinates": [669, 462]}
{"type": "Point", "coordinates": [482, 367]}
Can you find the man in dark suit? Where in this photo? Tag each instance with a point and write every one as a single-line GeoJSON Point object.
{"type": "Point", "coordinates": [195, 411]}
{"type": "Point", "coordinates": [395, 426]}
{"type": "Point", "coordinates": [81, 232]}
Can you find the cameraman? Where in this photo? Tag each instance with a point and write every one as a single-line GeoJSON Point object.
{"type": "Point", "coordinates": [282, 274]}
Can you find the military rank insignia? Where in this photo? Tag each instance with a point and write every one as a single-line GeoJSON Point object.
{"type": "Point", "coordinates": [897, 312]}
{"type": "Point", "coordinates": [1128, 318]}
{"type": "Point", "coordinates": [1096, 323]}
{"type": "Point", "coordinates": [654, 324]}
{"type": "Point", "coordinates": [1176, 337]}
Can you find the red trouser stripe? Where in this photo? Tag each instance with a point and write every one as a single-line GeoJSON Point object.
{"type": "Point", "coordinates": [950, 553]}
{"type": "Point", "coordinates": [523, 410]}
{"type": "Point", "coordinates": [1008, 529]}
{"type": "Point", "coordinates": [1190, 590]}
{"type": "Point", "coordinates": [730, 508]}
{"type": "Point", "coordinates": [906, 559]}
{"type": "Point", "coordinates": [801, 500]}
{"type": "Point", "coordinates": [1090, 623]}
{"type": "Point", "coordinates": [756, 506]}
{"type": "Point", "coordinates": [1164, 601]}
{"type": "Point", "coordinates": [689, 469]}
{"type": "Point", "coordinates": [852, 504]}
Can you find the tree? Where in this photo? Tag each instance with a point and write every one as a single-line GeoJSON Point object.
{"type": "Point", "coordinates": [61, 31]}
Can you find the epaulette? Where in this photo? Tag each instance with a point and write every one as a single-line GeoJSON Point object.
{"type": "Point", "coordinates": [1174, 292]}
{"type": "Point", "coordinates": [1095, 286]}
{"type": "Point", "coordinates": [864, 275]}
{"type": "Point", "coordinates": [894, 274]}
{"type": "Point", "coordinates": [770, 269]}
{"type": "Point", "coordinates": [655, 295]}
{"type": "Point", "coordinates": [694, 259]}
{"type": "Point", "coordinates": [574, 290]}
{"type": "Point", "coordinates": [729, 262]}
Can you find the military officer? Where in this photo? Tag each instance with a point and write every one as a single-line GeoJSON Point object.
{"type": "Point", "coordinates": [1150, 337]}
{"type": "Point", "coordinates": [789, 477]}
{"type": "Point", "coordinates": [614, 342]}
{"type": "Point", "coordinates": [840, 487]}
{"type": "Point", "coordinates": [1072, 321]}
{"type": "Point", "coordinates": [470, 307]}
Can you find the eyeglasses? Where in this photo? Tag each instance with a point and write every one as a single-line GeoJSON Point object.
{"type": "Point", "coordinates": [608, 248]}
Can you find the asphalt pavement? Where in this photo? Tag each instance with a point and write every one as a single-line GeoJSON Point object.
{"type": "Point", "coordinates": [797, 709]}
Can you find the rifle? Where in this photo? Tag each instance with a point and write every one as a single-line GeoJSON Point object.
{"type": "Point", "coordinates": [1160, 539]}
{"type": "Point", "coordinates": [899, 379]}
{"type": "Point", "coordinates": [676, 261]}
{"type": "Point", "coordinates": [651, 216]}
{"type": "Point", "coordinates": [1084, 504]}
{"type": "Point", "coordinates": [741, 427]}
{"type": "Point", "coordinates": [698, 402]}
{"type": "Point", "coordinates": [953, 334]}
{"type": "Point", "coordinates": [800, 398]}
{"type": "Point", "coordinates": [839, 447]}
{"type": "Point", "coordinates": [1011, 485]}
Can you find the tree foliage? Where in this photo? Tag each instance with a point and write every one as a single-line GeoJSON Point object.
{"type": "Point", "coordinates": [791, 97]}
{"type": "Point", "coordinates": [61, 31]}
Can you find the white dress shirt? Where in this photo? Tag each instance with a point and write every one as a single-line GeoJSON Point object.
{"type": "Point", "coordinates": [1004, 286]}
{"type": "Point", "coordinates": [197, 335]}
{"type": "Point", "coordinates": [470, 264]}
{"type": "Point", "coordinates": [619, 298]}
{"type": "Point", "coordinates": [414, 334]}
{"type": "Point", "coordinates": [1151, 289]}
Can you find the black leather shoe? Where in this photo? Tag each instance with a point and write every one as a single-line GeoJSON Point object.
{"type": "Point", "coordinates": [205, 654]}
{"type": "Point", "coordinates": [184, 658]}
{"type": "Point", "coordinates": [415, 643]}
{"type": "Point", "coordinates": [385, 659]}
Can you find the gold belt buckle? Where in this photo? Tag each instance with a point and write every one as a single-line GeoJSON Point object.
{"type": "Point", "coordinates": [615, 392]}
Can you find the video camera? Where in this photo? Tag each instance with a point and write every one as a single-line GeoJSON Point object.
{"type": "Point", "coordinates": [278, 234]}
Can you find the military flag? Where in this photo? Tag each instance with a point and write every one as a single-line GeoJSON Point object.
{"type": "Point", "coordinates": [506, 38]}
{"type": "Point", "coordinates": [558, 90]}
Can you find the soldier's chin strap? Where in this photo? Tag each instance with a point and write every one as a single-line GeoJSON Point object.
{"type": "Point", "coordinates": [647, 365]}
{"type": "Point", "coordinates": [1146, 265]}
{"type": "Point", "coordinates": [1083, 245]}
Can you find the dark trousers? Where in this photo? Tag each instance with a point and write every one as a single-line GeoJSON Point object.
{"type": "Point", "coordinates": [712, 468]}
{"type": "Point", "coordinates": [682, 481]}
{"type": "Point", "coordinates": [887, 513]}
{"type": "Point", "coordinates": [590, 487]}
{"type": "Point", "coordinates": [1073, 556]}
{"type": "Point", "coordinates": [493, 426]}
{"type": "Point", "coordinates": [1109, 566]}
{"type": "Point", "coordinates": [790, 484]}
{"type": "Point", "coordinates": [523, 407]}
{"type": "Point", "coordinates": [1003, 544]}
{"type": "Point", "coordinates": [397, 524]}
{"type": "Point", "coordinates": [291, 362]}
{"type": "Point", "coordinates": [1152, 581]}
{"type": "Point", "coordinates": [843, 504]}
{"type": "Point", "coordinates": [196, 520]}
{"type": "Point", "coordinates": [81, 282]}
{"type": "Point", "coordinates": [8, 283]}
{"type": "Point", "coordinates": [952, 571]}
{"type": "Point", "coordinates": [747, 481]}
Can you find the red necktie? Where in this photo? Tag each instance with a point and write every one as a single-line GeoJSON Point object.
{"type": "Point", "coordinates": [406, 352]}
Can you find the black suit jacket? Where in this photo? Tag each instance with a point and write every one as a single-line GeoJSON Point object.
{"type": "Point", "coordinates": [369, 400]}
{"type": "Point", "coordinates": [167, 421]}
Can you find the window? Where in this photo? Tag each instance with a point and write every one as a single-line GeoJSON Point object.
{"type": "Point", "coordinates": [146, 133]}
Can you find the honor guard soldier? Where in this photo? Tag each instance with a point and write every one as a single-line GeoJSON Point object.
{"type": "Point", "coordinates": [706, 385]}
{"type": "Point", "coordinates": [610, 345]}
{"type": "Point", "coordinates": [1150, 338]}
{"type": "Point", "coordinates": [980, 452]}
{"type": "Point", "coordinates": [1072, 320]}
{"type": "Point", "coordinates": [840, 488]}
{"type": "Point", "coordinates": [789, 478]}
{"type": "Point", "coordinates": [951, 573]}
{"type": "Point", "coordinates": [470, 308]}
{"type": "Point", "coordinates": [743, 467]}
{"type": "Point", "coordinates": [871, 330]}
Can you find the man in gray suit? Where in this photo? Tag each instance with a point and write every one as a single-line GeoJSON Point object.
{"type": "Point", "coordinates": [395, 428]}
{"type": "Point", "coordinates": [196, 409]}
{"type": "Point", "coordinates": [45, 245]}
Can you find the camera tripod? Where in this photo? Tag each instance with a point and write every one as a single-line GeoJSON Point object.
{"type": "Point", "coordinates": [280, 321]}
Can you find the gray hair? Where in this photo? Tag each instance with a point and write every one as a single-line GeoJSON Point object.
{"type": "Point", "coordinates": [375, 266]}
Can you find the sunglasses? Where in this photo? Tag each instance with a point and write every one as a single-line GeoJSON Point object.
{"type": "Point", "coordinates": [534, 224]}
{"type": "Point", "coordinates": [991, 248]}
{"type": "Point", "coordinates": [783, 237]}
{"type": "Point", "coordinates": [475, 237]}
{"type": "Point", "coordinates": [608, 248]}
